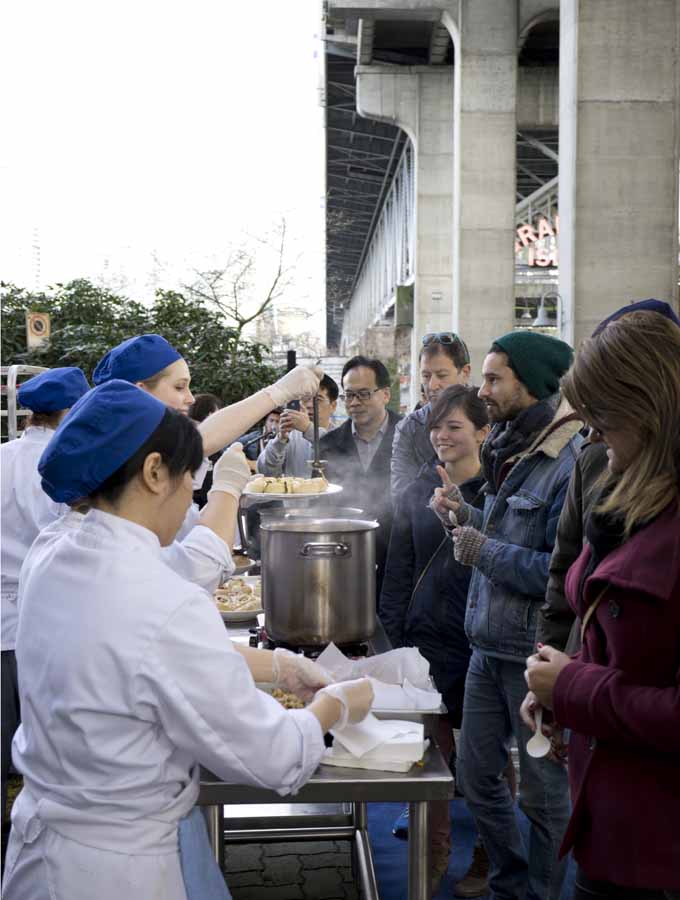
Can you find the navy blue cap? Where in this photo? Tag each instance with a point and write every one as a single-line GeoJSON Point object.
{"type": "Point", "coordinates": [53, 390]}
{"type": "Point", "coordinates": [657, 306]}
{"type": "Point", "coordinates": [100, 433]}
{"type": "Point", "coordinates": [136, 359]}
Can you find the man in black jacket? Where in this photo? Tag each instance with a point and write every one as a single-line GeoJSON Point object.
{"type": "Point", "coordinates": [358, 454]}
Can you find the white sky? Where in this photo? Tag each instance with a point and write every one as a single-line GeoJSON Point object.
{"type": "Point", "coordinates": [153, 126]}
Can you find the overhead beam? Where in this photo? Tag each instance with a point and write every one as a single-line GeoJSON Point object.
{"type": "Point", "coordinates": [539, 145]}
{"type": "Point", "coordinates": [365, 41]}
{"type": "Point", "coordinates": [439, 44]}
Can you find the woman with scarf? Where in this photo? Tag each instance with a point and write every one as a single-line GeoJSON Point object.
{"type": "Point", "coordinates": [620, 696]}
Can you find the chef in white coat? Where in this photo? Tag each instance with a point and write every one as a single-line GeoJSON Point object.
{"type": "Point", "coordinates": [154, 365]}
{"type": "Point", "coordinates": [129, 680]}
{"type": "Point", "coordinates": [26, 509]}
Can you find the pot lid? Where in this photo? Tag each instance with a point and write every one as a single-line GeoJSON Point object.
{"type": "Point", "coordinates": [320, 525]}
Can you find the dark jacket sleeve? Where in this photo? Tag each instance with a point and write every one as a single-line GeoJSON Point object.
{"type": "Point", "coordinates": [405, 463]}
{"type": "Point", "coordinates": [557, 624]}
{"type": "Point", "coordinates": [398, 579]}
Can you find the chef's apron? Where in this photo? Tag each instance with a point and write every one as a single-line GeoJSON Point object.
{"type": "Point", "coordinates": [40, 857]}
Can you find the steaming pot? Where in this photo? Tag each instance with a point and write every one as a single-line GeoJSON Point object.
{"type": "Point", "coordinates": [318, 579]}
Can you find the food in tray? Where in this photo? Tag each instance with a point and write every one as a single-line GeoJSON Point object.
{"type": "Point", "coordinates": [287, 700]}
{"type": "Point", "coordinates": [236, 595]}
{"type": "Point", "coordinates": [262, 484]}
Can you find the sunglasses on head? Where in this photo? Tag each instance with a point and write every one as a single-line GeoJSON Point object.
{"type": "Point", "coordinates": [445, 337]}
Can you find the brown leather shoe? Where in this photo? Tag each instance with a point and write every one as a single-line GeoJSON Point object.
{"type": "Point", "coordinates": [475, 882]}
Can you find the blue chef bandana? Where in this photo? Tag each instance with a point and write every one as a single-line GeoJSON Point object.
{"type": "Point", "coordinates": [657, 306]}
{"type": "Point", "coordinates": [136, 359]}
{"type": "Point", "coordinates": [100, 433]}
{"type": "Point", "coordinates": [53, 390]}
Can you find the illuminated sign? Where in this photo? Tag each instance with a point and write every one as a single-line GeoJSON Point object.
{"type": "Point", "coordinates": [536, 245]}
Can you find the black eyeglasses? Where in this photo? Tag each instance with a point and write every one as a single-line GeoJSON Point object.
{"type": "Point", "coordinates": [364, 396]}
{"type": "Point", "coordinates": [446, 337]}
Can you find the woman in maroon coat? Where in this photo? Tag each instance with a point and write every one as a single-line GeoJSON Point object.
{"type": "Point", "coordinates": [620, 696]}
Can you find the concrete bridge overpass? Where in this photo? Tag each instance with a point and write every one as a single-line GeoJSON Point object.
{"type": "Point", "coordinates": [442, 141]}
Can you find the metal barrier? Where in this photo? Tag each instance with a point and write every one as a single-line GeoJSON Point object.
{"type": "Point", "coordinates": [11, 373]}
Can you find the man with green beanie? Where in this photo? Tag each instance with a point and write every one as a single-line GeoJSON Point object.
{"type": "Point", "coordinates": [526, 462]}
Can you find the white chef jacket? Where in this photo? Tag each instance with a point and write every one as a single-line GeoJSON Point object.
{"type": "Point", "coordinates": [26, 510]}
{"type": "Point", "coordinates": [128, 682]}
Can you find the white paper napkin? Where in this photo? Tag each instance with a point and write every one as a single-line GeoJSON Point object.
{"type": "Point", "coordinates": [371, 732]}
{"type": "Point", "coordinates": [393, 667]}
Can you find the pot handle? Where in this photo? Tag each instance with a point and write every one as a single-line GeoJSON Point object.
{"type": "Point", "coordinates": [325, 550]}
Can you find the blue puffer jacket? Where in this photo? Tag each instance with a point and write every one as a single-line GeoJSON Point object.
{"type": "Point", "coordinates": [435, 621]}
{"type": "Point", "coordinates": [509, 582]}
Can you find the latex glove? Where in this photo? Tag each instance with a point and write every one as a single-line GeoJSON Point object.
{"type": "Point", "coordinates": [295, 673]}
{"type": "Point", "coordinates": [356, 698]}
{"type": "Point", "coordinates": [448, 504]}
{"type": "Point", "coordinates": [467, 545]}
{"type": "Point", "coordinates": [300, 381]}
{"type": "Point", "coordinates": [231, 472]}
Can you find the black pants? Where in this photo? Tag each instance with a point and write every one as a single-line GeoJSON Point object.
{"type": "Point", "coordinates": [587, 889]}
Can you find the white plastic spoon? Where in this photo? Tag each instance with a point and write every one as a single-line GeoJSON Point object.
{"type": "Point", "coordinates": [538, 745]}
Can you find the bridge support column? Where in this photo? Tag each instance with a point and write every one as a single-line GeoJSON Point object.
{"type": "Point", "coordinates": [619, 139]}
{"type": "Point", "coordinates": [485, 40]}
{"type": "Point", "coordinates": [420, 100]}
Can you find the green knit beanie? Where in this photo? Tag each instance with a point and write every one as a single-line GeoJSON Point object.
{"type": "Point", "coordinates": [539, 360]}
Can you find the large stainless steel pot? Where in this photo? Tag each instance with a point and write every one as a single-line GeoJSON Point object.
{"type": "Point", "coordinates": [318, 579]}
{"type": "Point", "coordinates": [249, 519]}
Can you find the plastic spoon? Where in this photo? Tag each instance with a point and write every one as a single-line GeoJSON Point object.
{"type": "Point", "coordinates": [538, 745]}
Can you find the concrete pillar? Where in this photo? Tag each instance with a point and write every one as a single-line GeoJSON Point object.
{"type": "Point", "coordinates": [485, 40]}
{"type": "Point", "coordinates": [420, 100]}
{"type": "Point", "coordinates": [619, 138]}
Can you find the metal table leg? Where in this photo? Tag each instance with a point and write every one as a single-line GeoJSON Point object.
{"type": "Point", "coordinates": [419, 868]}
{"type": "Point", "coordinates": [363, 855]}
{"type": "Point", "coordinates": [214, 820]}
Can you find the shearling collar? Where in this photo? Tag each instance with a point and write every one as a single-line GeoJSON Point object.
{"type": "Point", "coordinates": [554, 438]}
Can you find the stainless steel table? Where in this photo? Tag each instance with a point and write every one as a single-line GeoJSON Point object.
{"type": "Point", "coordinates": [431, 781]}
{"type": "Point", "coordinates": [334, 785]}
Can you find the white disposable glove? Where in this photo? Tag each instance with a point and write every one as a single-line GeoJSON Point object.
{"type": "Point", "coordinates": [295, 673]}
{"type": "Point", "coordinates": [231, 472]}
{"type": "Point", "coordinates": [356, 698]}
{"type": "Point", "coordinates": [295, 384]}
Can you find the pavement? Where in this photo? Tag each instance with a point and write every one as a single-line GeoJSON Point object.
{"type": "Point", "coordinates": [303, 870]}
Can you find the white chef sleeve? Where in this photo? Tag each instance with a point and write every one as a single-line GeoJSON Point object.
{"type": "Point", "coordinates": [202, 558]}
{"type": "Point", "coordinates": [208, 705]}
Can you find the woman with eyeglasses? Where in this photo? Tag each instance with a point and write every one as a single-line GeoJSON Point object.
{"type": "Point", "coordinates": [424, 592]}
{"type": "Point", "coordinates": [620, 695]}
{"type": "Point", "coordinates": [444, 360]}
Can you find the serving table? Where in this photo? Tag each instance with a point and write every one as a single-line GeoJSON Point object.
{"type": "Point", "coordinates": [345, 792]}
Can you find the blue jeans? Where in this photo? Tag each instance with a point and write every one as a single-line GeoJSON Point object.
{"type": "Point", "coordinates": [494, 690]}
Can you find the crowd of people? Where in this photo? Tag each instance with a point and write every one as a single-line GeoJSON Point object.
{"type": "Point", "coordinates": [528, 545]}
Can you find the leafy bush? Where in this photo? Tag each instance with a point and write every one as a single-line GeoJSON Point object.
{"type": "Point", "coordinates": [88, 320]}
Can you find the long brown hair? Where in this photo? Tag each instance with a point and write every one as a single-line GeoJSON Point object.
{"type": "Point", "coordinates": [627, 379]}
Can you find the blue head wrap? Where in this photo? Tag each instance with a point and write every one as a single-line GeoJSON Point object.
{"type": "Point", "coordinates": [100, 433]}
{"type": "Point", "coordinates": [53, 390]}
{"type": "Point", "coordinates": [136, 359]}
{"type": "Point", "coordinates": [657, 306]}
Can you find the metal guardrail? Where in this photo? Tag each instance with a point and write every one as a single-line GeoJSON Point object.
{"type": "Point", "coordinates": [11, 373]}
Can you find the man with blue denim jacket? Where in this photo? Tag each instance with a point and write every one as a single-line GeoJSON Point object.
{"type": "Point", "coordinates": [526, 462]}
